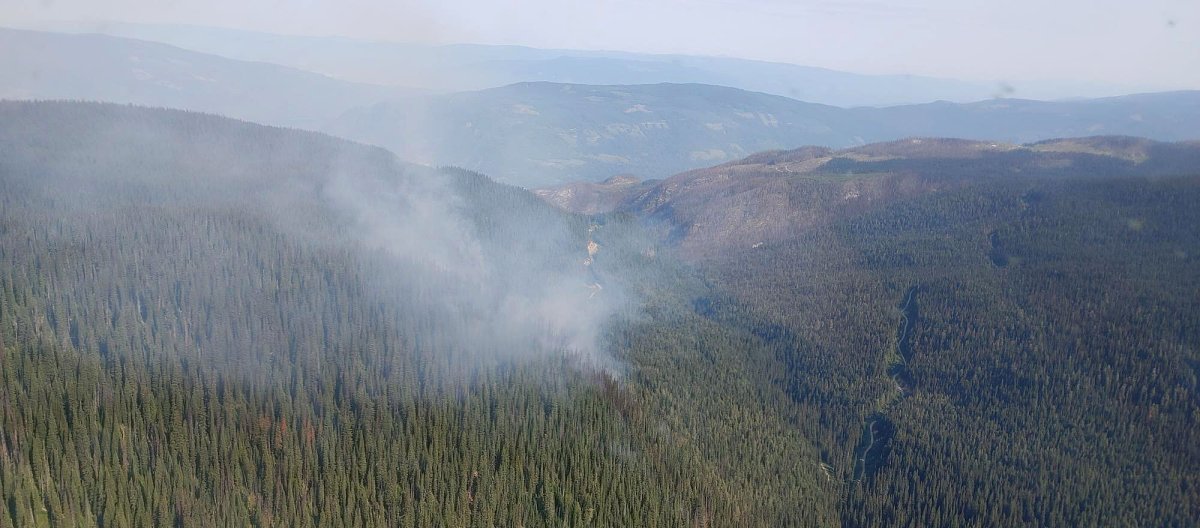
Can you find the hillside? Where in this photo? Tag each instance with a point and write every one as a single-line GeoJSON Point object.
{"type": "Point", "coordinates": [209, 322]}
{"type": "Point", "coordinates": [42, 65]}
{"type": "Point", "coordinates": [975, 333]}
{"type": "Point", "coordinates": [542, 134]}
{"type": "Point", "coordinates": [770, 196]}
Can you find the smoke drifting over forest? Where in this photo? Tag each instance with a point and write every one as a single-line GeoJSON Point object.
{"type": "Point", "coordinates": [508, 276]}
{"type": "Point", "coordinates": [520, 274]}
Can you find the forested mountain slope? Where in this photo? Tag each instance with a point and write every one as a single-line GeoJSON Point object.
{"type": "Point", "coordinates": [975, 333]}
{"type": "Point", "coordinates": [1017, 351]}
{"type": "Point", "coordinates": [210, 322]}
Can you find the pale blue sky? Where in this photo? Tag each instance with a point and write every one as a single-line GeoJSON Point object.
{"type": "Point", "coordinates": [1150, 44]}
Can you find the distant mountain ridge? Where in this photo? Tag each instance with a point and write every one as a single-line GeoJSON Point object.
{"type": "Point", "coordinates": [42, 65]}
{"type": "Point", "coordinates": [458, 67]}
{"type": "Point", "coordinates": [538, 134]}
{"type": "Point", "coordinates": [535, 133]}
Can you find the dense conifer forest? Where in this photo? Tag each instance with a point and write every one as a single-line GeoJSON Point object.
{"type": "Point", "coordinates": [175, 354]}
{"type": "Point", "coordinates": [1025, 346]}
{"type": "Point", "coordinates": [207, 322]}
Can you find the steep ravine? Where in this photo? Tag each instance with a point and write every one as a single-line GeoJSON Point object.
{"type": "Point", "coordinates": [874, 444]}
{"type": "Point", "coordinates": [592, 249]}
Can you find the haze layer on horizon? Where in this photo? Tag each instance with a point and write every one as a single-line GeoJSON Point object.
{"type": "Point", "coordinates": [1142, 46]}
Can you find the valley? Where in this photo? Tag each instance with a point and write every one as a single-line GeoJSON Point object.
{"type": "Point", "coordinates": [878, 431]}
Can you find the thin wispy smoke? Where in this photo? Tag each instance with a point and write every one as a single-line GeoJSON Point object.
{"type": "Point", "coordinates": [414, 219]}
{"type": "Point", "coordinates": [511, 277]}
{"type": "Point", "coordinates": [526, 282]}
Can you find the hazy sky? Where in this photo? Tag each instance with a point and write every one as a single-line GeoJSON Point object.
{"type": "Point", "coordinates": [1146, 43]}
